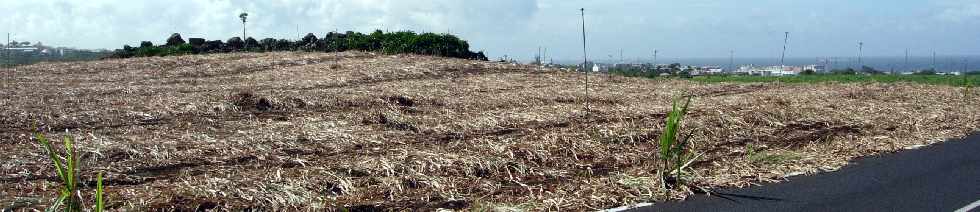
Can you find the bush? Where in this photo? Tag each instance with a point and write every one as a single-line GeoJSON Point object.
{"type": "Point", "coordinates": [182, 49]}
{"type": "Point", "coordinates": [150, 51]}
{"type": "Point", "coordinates": [234, 44]}
{"type": "Point", "coordinates": [213, 46]}
{"type": "Point", "coordinates": [252, 44]}
{"type": "Point", "coordinates": [196, 42]}
{"type": "Point", "coordinates": [847, 71]}
{"type": "Point", "coordinates": [926, 72]}
{"type": "Point", "coordinates": [268, 44]}
{"type": "Point", "coordinates": [870, 70]}
{"type": "Point", "coordinates": [283, 45]}
{"type": "Point", "coordinates": [309, 42]}
{"type": "Point", "coordinates": [175, 40]}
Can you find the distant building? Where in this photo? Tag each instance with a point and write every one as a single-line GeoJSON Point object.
{"type": "Point", "coordinates": [23, 49]}
{"type": "Point", "coordinates": [778, 70]}
{"type": "Point", "coordinates": [815, 68]}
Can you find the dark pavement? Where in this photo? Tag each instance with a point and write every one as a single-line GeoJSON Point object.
{"type": "Point", "coordinates": [941, 177]}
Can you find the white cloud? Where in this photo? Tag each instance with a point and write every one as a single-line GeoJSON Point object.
{"type": "Point", "coordinates": [960, 11]}
{"type": "Point", "coordinates": [111, 23]}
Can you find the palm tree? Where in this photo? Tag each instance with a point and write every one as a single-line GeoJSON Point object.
{"type": "Point", "coordinates": [244, 17]}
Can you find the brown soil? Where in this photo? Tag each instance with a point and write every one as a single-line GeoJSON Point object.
{"type": "Point", "coordinates": [300, 131]}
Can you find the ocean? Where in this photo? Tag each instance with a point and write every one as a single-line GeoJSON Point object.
{"type": "Point", "coordinates": [898, 64]}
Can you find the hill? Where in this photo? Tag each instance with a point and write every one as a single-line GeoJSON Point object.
{"type": "Point", "coordinates": [291, 130]}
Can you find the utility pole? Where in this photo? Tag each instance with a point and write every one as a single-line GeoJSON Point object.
{"type": "Point", "coordinates": [731, 61]}
{"type": "Point", "coordinates": [782, 60]}
{"type": "Point", "coordinates": [621, 58]}
{"type": "Point", "coordinates": [966, 64]}
{"type": "Point", "coordinates": [537, 58]}
{"type": "Point", "coordinates": [6, 52]}
{"type": "Point", "coordinates": [933, 60]}
{"type": "Point", "coordinates": [655, 57]}
{"type": "Point", "coordinates": [545, 56]}
{"type": "Point", "coordinates": [585, 63]}
{"type": "Point", "coordinates": [861, 54]}
{"type": "Point", "coordinates": [906, 59]}
{"type": "Point", "coordinates": [6, 60]}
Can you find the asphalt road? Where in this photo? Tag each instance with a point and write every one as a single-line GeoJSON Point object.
{"type": "Point", "coordinates": [941, 177]}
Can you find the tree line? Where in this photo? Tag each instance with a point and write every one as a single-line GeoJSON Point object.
{"type": "Point", "coordinates": [403, 42]}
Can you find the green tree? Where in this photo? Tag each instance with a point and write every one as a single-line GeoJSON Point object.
{"type": "Point", "coordinates": [869, 70]}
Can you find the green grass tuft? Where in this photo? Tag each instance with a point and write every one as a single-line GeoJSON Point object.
{"type": "Point", "coordinates": [675, 152]}
{"type": "Point", "coordinates": [67, 171]}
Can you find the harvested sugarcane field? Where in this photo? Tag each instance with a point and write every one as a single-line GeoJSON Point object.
{"type": "Point", "coordinates": [365, 131]}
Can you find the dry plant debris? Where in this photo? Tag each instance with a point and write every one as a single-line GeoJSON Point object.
{"type": "Point", "coordinates": [318, 131]}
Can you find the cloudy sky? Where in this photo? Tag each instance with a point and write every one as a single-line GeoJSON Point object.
{"type": "Point", "coordinates": [678, 29]}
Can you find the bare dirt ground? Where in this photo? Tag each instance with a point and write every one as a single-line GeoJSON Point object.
{"type": "Point", "coordinates": [315, 131]}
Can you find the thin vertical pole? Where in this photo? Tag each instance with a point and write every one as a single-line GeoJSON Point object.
{"type": "Point", "coordinates": [655, 58]}
{"type": "Point", "coordinates": [545, 56]}
{"type": "Point", "coordinates": [7, 60]}
{"type": "Point", "coordinates": [966, 64]}
{"type": "Point", "coordinates": [861, 54]}
{"type": "Point", "coordinates": [933, 60]}
{"type": "Point", "coordinates": [782, 60]}
{"type": "Point", "coordinates": [731, 61]}
{"type": "Point", "coordinates": [906, 59]}
{"type": "Point", "coordinates": [6, 51]}
{"type": "Point", "coordinates": [585, 63]}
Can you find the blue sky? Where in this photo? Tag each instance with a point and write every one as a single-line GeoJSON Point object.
{"type": "Point", "coordinates": [678, 29]}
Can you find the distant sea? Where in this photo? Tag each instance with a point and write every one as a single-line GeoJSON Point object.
{"type": "Point", "coordinates": [898, 64]}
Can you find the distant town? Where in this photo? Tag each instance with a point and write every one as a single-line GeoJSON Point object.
{"type": "Point", "coordinates": [746, 69]}
{"type": "Point", "coordinates": [25, 53]}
